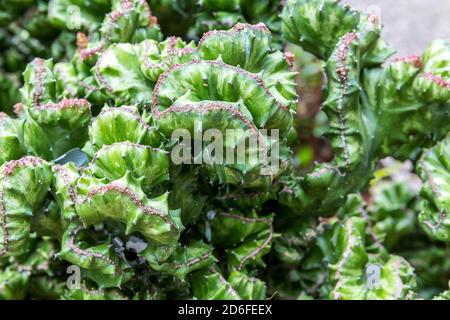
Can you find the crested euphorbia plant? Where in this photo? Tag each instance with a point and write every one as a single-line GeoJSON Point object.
{"type": "Point", "coordinates": [46, 124]}
{"type": "Point", "coordinates": [197, 17]}
{"type": "Point", "coordinates": [95, 179]}
{"type": "Point", "coordinates": [98, 25]}
{"type": "Point", "coordinates": [408, 97]}
{"type": "Point", "coordinates": [434, 170]}
{"type": "Point", "coordinates": [129, 187]}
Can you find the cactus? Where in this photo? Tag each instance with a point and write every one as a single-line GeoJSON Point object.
{"type": "Point", "coordinates": [377, 230]}
{"type": "Point", "coordinates": [94, 175]}
{"type": "Point", "coordinates": [198, 17]}
{"type": "Point", "coordinates": [172, 67]}
{"type": "Point", "coordinates": [99, 26]}
{"type": "Point", "coordinates": [354, 272]}
{"type": "Point", "coordinates": [14, 285]}
{"type": "Point", "coordinates": [25, 183]}
{"type": "Point", "coordinates": [433, 169]}
{"type": "Point", "coordinates": [364, 100]}
{"type": "Point", "coordinates": [26, 32]}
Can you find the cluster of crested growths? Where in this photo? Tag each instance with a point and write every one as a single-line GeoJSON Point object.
{"type": "Point", "coordinates": [127, 168]}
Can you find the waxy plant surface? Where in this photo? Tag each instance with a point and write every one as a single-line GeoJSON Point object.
{"type": "Point", "coordinates": [93, 205]}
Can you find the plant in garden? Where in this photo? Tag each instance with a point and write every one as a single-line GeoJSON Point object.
{"type": "Point", "coordinates": [434, 169]}
{"type": "Point", "coordinates": [100, 26]}
{"type": "Point", "coordinates": [365, 101]}
{"type": "Point", "coordinates": [125, 189]}
{"type": "Point", "coordinates": [198, 17]}
{"type": "Point", "coordinates": [88, 175]}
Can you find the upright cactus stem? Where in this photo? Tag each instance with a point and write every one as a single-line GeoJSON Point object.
{"type": "Point", "coordinates": [373, 111]}
{"type": "Point", "coordinates": [251, 91]}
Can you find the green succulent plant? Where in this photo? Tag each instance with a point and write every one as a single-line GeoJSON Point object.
{"type": "Point", "coordinates": [26, 33]}
{"type": "Point", "coordinates": [100, 172]}
{"type": "Point", "coordinates": [198, 17]}
{"type": "Point", "coordinates": [124, 188]}
{"type": "Point", "coordinates": [434, 170]}
{"type": "Point", "coordinates": [364, 100]}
